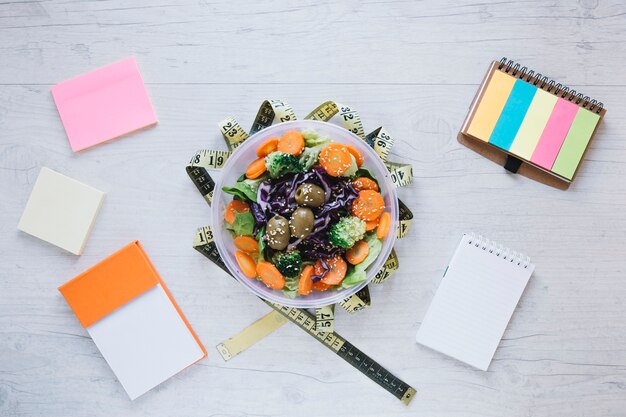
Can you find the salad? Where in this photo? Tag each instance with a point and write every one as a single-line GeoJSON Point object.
{"type": "Point", "coordinates": [306, 215]}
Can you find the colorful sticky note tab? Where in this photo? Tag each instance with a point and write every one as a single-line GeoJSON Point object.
{"type": "Point", "coordinates": [103, 104]}
{"type": "Point", "coordinates": [493, 100]}
{"type": "Point", "coordinates": [575, 143]}
{"type": "Point", "coordinates": [535, 121]}
{"type": "Point", "coordinates": [513, 114]}
{"type": "Point", "coordinates": [554, 133]}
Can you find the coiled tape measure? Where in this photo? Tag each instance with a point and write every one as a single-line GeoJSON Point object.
{"type": "Point", "coordinates": [320, 325]}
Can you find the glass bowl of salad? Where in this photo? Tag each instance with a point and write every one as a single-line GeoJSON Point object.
{"type": "Point", "coordinates": [304, 213]}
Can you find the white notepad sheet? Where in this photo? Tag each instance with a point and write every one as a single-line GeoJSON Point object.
{"type": "Point", "coordinates": [145, 342]}
{"type": "Point", "coordinates": [474, 302]}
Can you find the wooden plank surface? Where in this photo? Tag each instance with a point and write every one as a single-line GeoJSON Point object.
{"type": "Point", "coordinates": [410, 66]}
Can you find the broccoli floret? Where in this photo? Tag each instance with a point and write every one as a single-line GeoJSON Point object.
{"type": "Point", "coordinates": [310, 156]}
{"type": "Point", "coordinates": [281, 163]}
{"type": "Point", "coordinates": [288, 263]}
{"type": "Point", "coordinates": [346, 232]}
{"type": "Point", "coordinates": [312, 138]}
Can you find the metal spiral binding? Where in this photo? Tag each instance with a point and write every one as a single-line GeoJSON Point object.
{"type": "Point", "coordinates": [543, 82]}
{"type": "Point", "coordinates": [500, 251]}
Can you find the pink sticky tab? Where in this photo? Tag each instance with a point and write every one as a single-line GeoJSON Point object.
{"type": "Point", "coordinates": [103, 104]}
{"type": "Point", "coordinates": [554, 133]}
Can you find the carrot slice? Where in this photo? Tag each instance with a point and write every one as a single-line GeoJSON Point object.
{"type": "Point", "coordinates": [337, 271]}
{"type": "Point", "coordinates": [267, 147]}
{"type": "Point", "coordinates": [320, 286]}
{"type": "Point", "coordinates": [384, 223]}
{"type": "Point", "coordinates": [270, 275]}
{"type": "Point", "coordinates": [246, 263]}
{"type": "Point", "coordinates": [256, 169]}
{"type": "Point", "coordinates": [235, 206]}
{"type": "Point", "coordinates": [357, 253]}
{"type": "Point", "coordinates": [357, 155]}
{"type": "Point", "coordinates": [291, 142]}
{"type": "Point", "coordinates": [364, 183]}
{"type": "Point", "coordinates": [368, 206]}
{"type": "Point", "coordinates": [371, 225]}
{"type": "Point", "coordinates": [335, 159]}
{"type": "Point", "coordinates": [246, 244]}
{"type": "Point", "coordinates": [305, 286]}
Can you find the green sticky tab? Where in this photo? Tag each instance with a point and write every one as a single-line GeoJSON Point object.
{"type": "Point", "coordinates": [575, 143]}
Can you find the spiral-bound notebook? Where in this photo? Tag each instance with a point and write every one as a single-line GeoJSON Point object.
{"type": "Point", "coordinates": [531, 124]}
{"type": "Point", "coordinates": [475, 301]}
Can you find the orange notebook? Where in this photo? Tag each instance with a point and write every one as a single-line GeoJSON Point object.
{"type": "Point", "coordinates": [133, 319]}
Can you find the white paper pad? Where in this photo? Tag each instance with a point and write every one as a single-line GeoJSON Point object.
{"type": "Point", "coordinates": [145, 342]}
{"type": "Point", "coordinates": [474, 302]}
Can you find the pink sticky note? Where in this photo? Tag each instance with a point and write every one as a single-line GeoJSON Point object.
{"type": "Point", "coordinates": [554, 133]}
{"type": "Point", "coordinates": [103, 104]}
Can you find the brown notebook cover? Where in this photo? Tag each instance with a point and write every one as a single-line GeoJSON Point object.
{"type": "Point", "coordinates": [514, 163]}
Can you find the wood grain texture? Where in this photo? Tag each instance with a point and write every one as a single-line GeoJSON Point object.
{"type": "Point", "coordinates": [410, 66]}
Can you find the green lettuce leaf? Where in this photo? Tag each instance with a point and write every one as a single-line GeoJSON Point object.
{"type": "Point", "coordinates": [241, 190]}
{"type": "Point", "coordinates": [259, 238]}
{"type": "Point", "coordinates": [243, 225]}
{"type": "Point", "coordinates": [356, 275]}
{"type": "Point", "coordinates": [291, 287]}
{"type": "Point", "coordinates": [364, 172]}
{"type": "Point", "coordinates": [353, 277]}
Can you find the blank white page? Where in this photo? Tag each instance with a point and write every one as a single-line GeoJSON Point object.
{"type": "Point", "coordinates": [475, 300]}
{"type": "Point", "coordinates": [145, 342]}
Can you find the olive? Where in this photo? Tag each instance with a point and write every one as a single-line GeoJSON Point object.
{"type": "Point", "coordinates": [301, 223]}
{"type": "Point", "coordinates": [277, 231]}
{"type": "Point", "coordinates": [310, 195]}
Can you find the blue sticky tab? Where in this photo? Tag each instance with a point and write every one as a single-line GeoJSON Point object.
{"type": "Point", "coordinates": [513, 114]}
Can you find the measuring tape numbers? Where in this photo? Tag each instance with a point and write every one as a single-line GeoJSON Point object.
{"type": "Point", "coordinates": [270, 110]}
{"type": "Point", "coordinates": [350, 118]}
{"type": "Point", "coordinates": [357, 301]}
{"type": "Point", "coordinates": [325, 319]}
{"type": "Point", "coordinates": [406, 218]}
{"type": "Point", "coordinates": [390, 266]}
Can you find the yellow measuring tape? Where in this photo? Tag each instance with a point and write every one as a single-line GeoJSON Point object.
{"type": "Point", "coordinates": [391, 265]}
{"type": "Point", "coordinates": [269, 111]}
{"type": "Point", "coordinates": [251, 335]}
{"type": "Point", "coordinates": [350, 118]}
{"type": "Point", "coordinates": [325, 319]}
{"type": "Point", "coordinates": [322, 324]}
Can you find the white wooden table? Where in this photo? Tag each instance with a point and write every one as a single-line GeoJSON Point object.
{"type": "Point", "coordinates": [410, 66]}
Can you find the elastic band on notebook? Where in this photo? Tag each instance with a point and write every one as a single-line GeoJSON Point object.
{"type": "Point", "coordinates": [512, 164]}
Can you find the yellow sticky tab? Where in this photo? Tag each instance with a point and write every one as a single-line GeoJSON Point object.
{"type": "Point", "coordinates": [490, 105]}
{"type": "Point", "coordinates": [532, 127]}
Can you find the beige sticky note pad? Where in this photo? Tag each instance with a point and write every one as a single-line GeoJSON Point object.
{"type": "Point", "coordinates": [61, 211]}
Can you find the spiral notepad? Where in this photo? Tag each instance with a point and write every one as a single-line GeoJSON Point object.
{"type": "Point", "coordinates": [475, 301]}
{"type": "Point", "coordinates": [531, 124]}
